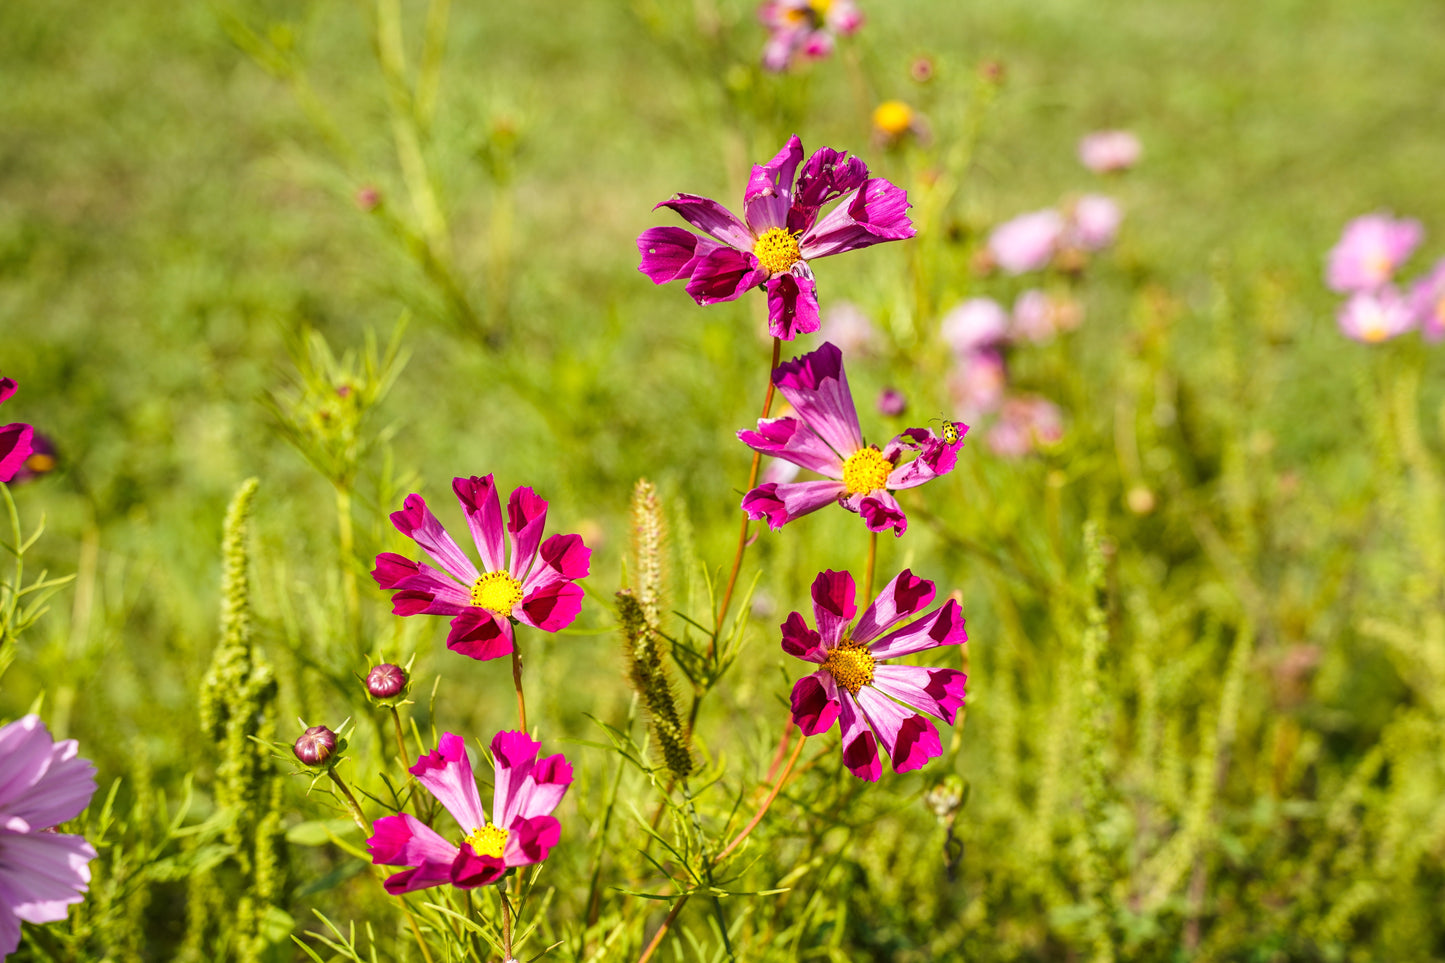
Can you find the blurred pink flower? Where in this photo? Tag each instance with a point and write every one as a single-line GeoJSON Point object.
{"type": "Point", "coordinates": [537, 588]}
{"type": "Point", "coordinates": [848, 327]}
{"type": "Point", "coordinates": [15, 440]}
{"type": "Point", "coordinates": [1027, 242]}
{"type": "Point", "coordinates": [805, 28]}
{"type": "Point", "coordinates": [1105, 151]}
{"type": "Point", "coordinates": [1427, 302]}
{"type": "Point", "coordinates": [976, 383]}
{"type": "Point", "coordinates": [891, 403]}
{"type": "Point", "coordinates": [1094, 222]}
{"type": "Point", "coordinates": [1038, 316]}
{"type": "Point", "coordinates": [873, 702]}
{"type": "Point", "coordinates": [1371, 248]}
{"type": "Point", "coordinates": [782, 232]}
{"type": "Point", "coordinates": [1026, 422]}
{"type": "Point", "coordinates": [974, 324]}
{"type": "Point", "coordinates": [1375, 316]}
{"type": "Point", "coordinates": [824, 437]}
{"type": "Point", "coordinates": [43, 783]}
{"type": "Point", "coordinates": [525, 792]}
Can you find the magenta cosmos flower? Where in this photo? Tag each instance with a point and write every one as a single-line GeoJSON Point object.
{"type": "Point", "coordinates": [1369, 251]}
{"type": "Point", "coordinates": [523, 830]}
{"type": "Point", "coordinates": [824, 437]}
{"type": "Point", "coordinates": [781, 233]}
{"type": "Point", "coordinates": [43, 783]}
{"type": "Point", "coordinates": [805, 28]}
{"type": "Point", "coordinates": [14, 439]}
{"type": "Point", "coordinates": [536, 588]}
{"type": "Point", "coordinates": [873, 702]}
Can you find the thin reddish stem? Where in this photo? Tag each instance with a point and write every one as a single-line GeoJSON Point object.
{"type": "Point", "coordinates": [517, 682]}
{"type": "Point", "coordinates": [868, 572]}
{"type": "Point", "coordinates": [656, 940]}
{"type": "Point", "coordinates": [727, 598]}
{"type": "Point", "coordinates": [758, 816]}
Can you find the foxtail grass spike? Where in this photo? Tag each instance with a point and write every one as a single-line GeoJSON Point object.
{"type": "Point", "coordinates": [649, 678]}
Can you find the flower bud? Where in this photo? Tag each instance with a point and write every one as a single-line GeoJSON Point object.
{"type": "Point", "coordinates": [386, 681]}
{"type": "Point", "coordinates": [314, 746]}
{"type": "Point", "coordinates": [892, 403]}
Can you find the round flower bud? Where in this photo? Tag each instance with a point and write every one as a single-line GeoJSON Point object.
{"type": "Point", "coordinates": [892, 403]}
{"type": "Point", "coordinates": [386, 680]}
{"type": "Point", "coordinates": [314, 746]}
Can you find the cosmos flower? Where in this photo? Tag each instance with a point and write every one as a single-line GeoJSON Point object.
{"type": "Point", "coordinates": [875, 703]}
{"type": "Point", "coordinates": [824, 437]}
{"type": "Point", "coordinates": [1375, 316]}
{"type": "Point", "coordinates": [845, 324]}
{"type": "Point", "coordinates": [523, 830]}
{"type": "Point", "coordinates": [1038, 316]}
{"type": "Point", "coordinates": [1027, 242]}
{"type": "Point", "coordinates": [977, 382]}
{"type": "Point", "coordinates": [1093, 223]}
{"type": "Point", "coordinates": [1106, 151]}
{"type": "Point", "coordinates": [44, 459]}
{"type": "Point", "coordinates": [1369, 251]}
{"type": "Point", "coordinates": [973, 325]}
{"type": "Point", "coordinates": [1427, 302]}
{"type": "Point", "coordinates": [781, 234]}
{"type": "Point", "coordinates": [15, 440]}
{"type": "Point", "coordinates": [536, 588]}
{"type": "Point", "coordinates": [43, 783]}
{"type": "Point", "coordinates": [805, 28]}
{"type": "Point", "coordinates": [1026, 422]}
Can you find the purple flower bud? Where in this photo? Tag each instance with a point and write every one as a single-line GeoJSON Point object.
{"type": "Point", "coordinates": [386, 680]}
{"type": "Point", "coordinates": [892, 403]}
{"type": "Point", "coordinates": [368, 198]}
{"type": "Point", "coordinates": [314, 746]}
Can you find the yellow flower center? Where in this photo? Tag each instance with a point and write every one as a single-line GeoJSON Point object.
{"type": "Point", "coordinates": [866, 470]}
{"type": "Point", "coordinates": [40, 463]}
{"type": "Point", "coordinates": [497, 592]}
{"type": "Point", "coordinates": [777, 250]}
{"type": "Point", "coordinates": [488, 840]}
{"type": "Point", "coordinates": [851, 665]}
{"type": "Point", "coordinates": [1379, 266]}
{"type": "Point", "coordinates": [1440, 310]}
{"type": "Point", "coordinates": [820, 7]}
{"type": "Point", "coordinates": [893, 117]}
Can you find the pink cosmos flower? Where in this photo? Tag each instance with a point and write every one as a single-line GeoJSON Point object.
{"type": "Point", "coordinates": [977, 383]}
{"type": "Point", "coordinates": [872, 702]}
{"type": "Point", "coordinates": [15, 440]}
{"type": "Point", "coordinates": [523, 830]}
{"type": "Point", "coordinates": [1369, 251]}
{"type": "Point", "coordinates": [824, 437]}
{"type": "Point", "coordinates": [1427, 302]}
{"type": "Point", "coordinates": [1028, 242]}
{"type": "Point", "coordinates": [975, 324]}
{"type": "Point", "coordinates": [1025, 423]}
{"type": "Point", "coordinates": [1375, 316]}
{"type": "Point", "coordinates": [848, 327]}
{"type": "Point", "coordinates": [1038, 316]}
{"type": "Point", "coordinates": [1105, 151]}
{"type": "Point", "coordinates": [44, 459]}
{"type": "Point", "coordinates": [43, 783]}
{"type": "Point", "coordinates": [1093, 222]}
{"type": "Point", "coordinates": [536, 588]}
{"type": "Point", "coordinates": [805, 28]}
{"type": "Point", "coordinates": [781, 234]}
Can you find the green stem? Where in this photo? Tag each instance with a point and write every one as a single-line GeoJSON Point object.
{"type": "Point", "coordinates": [517, 681]}
{"type": "Point", "coordinates": [868, 569]}
{"type": "Point", "coordinates": [400, 740]}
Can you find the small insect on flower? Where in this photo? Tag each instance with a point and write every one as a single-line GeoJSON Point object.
{"type": "Point", "coordinates": [949, 433]}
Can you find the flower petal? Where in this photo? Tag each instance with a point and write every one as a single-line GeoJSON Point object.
{"type": "Point", "coordinates": [530, 840]}
{"type": "Point", "coordinates": [877, 212]}
{"type": "Point", "coordinates": [900, 598]}
{"type": "Point", "coordinates": [724, 274]}
{"type": "Point", "coordinates": [833, 605]}
{"type": "Point", "coordinates": [710, 217]}
{"type": "Point", "coordinates": [447, 775]}
{"type": "Point", "coordinates": [425, 876]}
{"type": "Point", "coordinates": [468, 870]}
{"type": "Point", "coordinates": [942, 626]}
{"type": "Point", "coordinates": [792, 440]}
{"type": "Point", "coordinates": [43, 874]}
{"type": "Point", "coordinates": [880, 511]}
{"type": "Point", "coordinates": [483, 508]}
{"type": "Point", "coordinates": [416, 522]}
{"type": "Point", "coordinates": [860, 746]}
{"type": "Point", "coordinates": [801, 641]}
{"type": "Point", "coordinates": [404, 840]}
{"type": "Point", "coordinates": [481, 635]}
{"type": "Point", "coordinates": [7, 388]}
{"type": "Point", "coordinates": [827, 175]}
{"type": "Point", "coordinates": [935, 459]}
{"type": "Point", "coordinates": [16, 444]}
{"type": "Point", "coordinates": [815, 703]}
{"type": "Point", "coordinates": [670, 253]}
{"type": "Point", "coordinates": [781, 503]}
{"type": "Point", "coordinates": [938, 692]}
{"type": "Point", "coordinates": [567, 555]}
{"type": "Point", "coordinates": [552, 606]}
{"type": "Point", "coordinates": [769, 193]}
{"type": "Point", "coordinates": [816, 385]}
{"type": "Point", "coordinates": [792, 305]}
{"type": "Point", "coordinates": [909, 738]}
{"type": "Point", "coordinates": [546, 785]}
{"type": "Point", "coordinates": [515, 753]}
{"type": "Point", "coordinates": [418, 588]}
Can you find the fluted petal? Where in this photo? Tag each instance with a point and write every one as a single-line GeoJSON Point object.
{"type": "Point", "coordinates": [815, 703]}
{"type": "Point", "coordinates": [909, 739]}
{"type": "Point", "coordinates": [905, 595]}
{"type": "Point", "coordinates": [816, 385]}
{"type": "Point", "coordinates": [710, 217]}
{"type": "Point", "coordinates": [943, 626]}
{"type": "Point", "coordinates": [417, 522]}
{"type": "Point", "coordinates": [782, 502]}
{"type": "Point", "coordinates": [483, 508]}
{"type": "Point", "coordinates": [447, 774]}
{"type": "Point", "coordinates": [481, 635]}
{"type": "Point", "coordinates": [938, 692]}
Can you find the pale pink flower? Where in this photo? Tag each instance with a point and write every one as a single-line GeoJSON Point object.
{"type": "Point", "coordinates": [1370, 250]}
{"type": "Point", "coordinates": [805, 28]}
{"type": "Point", "coordinates": [1026, 422]}
{"type": "Point", "coordinates": [1375, 316]}
{"type": "Point", "coordinates": [1093, 223]}
{"type": "Point", "coordinates": [976, 383]}
{"type": "Point", "coordinates": [1027, 242]}
{"type": "Point", "coordinates": [1427, 302]}
{"type": "Point", "coordinates": [974, 324]}
{"type": "Point", "coordinates": [1105, 151]}
{"type": "Point", "coordinates": [1038, 316]}
{"type": "Point", "coordinates": [845, 325]}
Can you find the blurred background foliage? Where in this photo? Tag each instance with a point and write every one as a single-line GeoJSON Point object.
{"type": "Point", "coordinates": [265, 239]}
